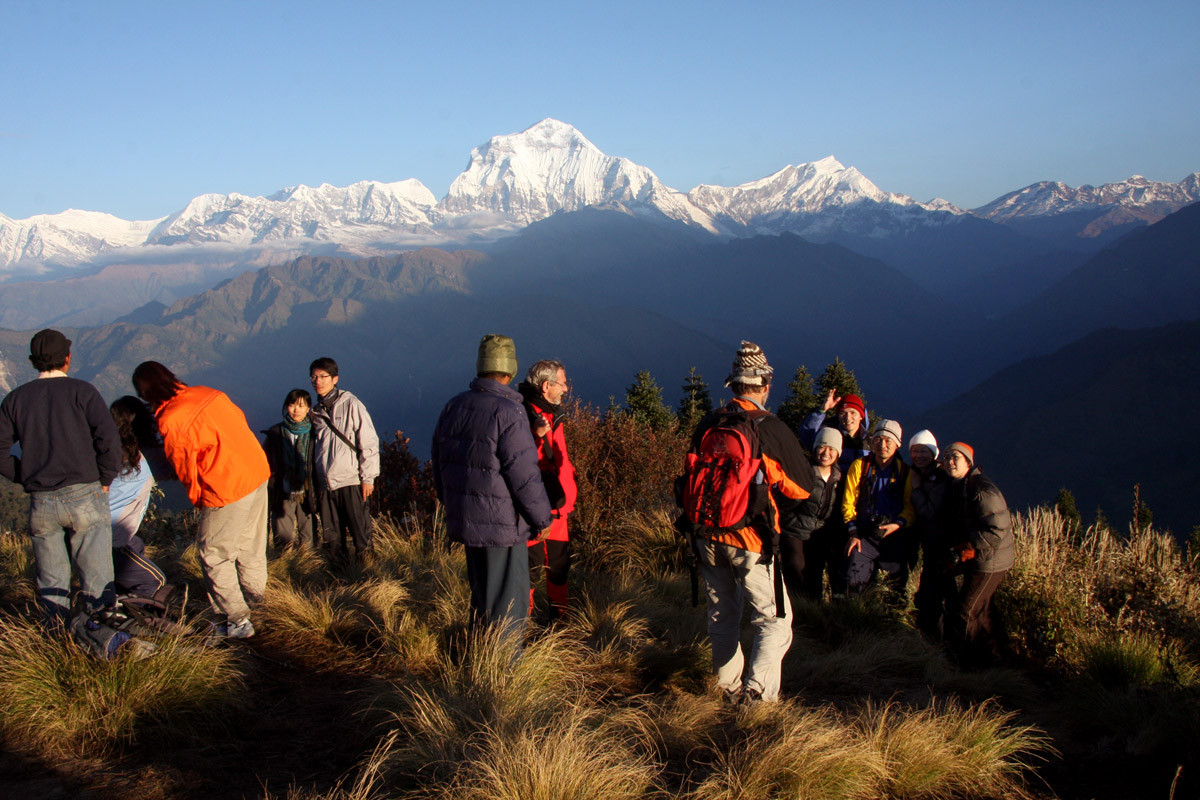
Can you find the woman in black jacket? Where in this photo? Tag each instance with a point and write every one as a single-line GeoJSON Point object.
{"type": "Point", "coordinates": [289, 446]}
{"type": "Point", "coordinates": [978, 521]}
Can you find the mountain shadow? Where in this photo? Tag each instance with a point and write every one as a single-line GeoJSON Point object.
{"type": "Point", "coordinates": [1098, 416]}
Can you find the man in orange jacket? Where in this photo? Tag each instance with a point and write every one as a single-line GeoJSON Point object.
{"type": "Point", "coordinates": [743, 564]}
{"type": "Point", "coordinates": [220, 462]}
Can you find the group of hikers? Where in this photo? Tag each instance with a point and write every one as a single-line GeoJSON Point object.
{"type": "Point", "coordinates": [764, 516]}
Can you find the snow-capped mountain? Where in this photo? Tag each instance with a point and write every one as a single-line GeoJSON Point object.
{"type": "Point", "coordinates": [1135, 200]}
{"type": "Point", "coordinates": [527, 176]}
{"type": "Point", "coordinates": [69, 238]}
{"type": "Point", "coordinates": [814, 199]}
{"type": "Point", "coordinates": [514, 180]}
{"type": "Point", "coordinates": [364, 212]}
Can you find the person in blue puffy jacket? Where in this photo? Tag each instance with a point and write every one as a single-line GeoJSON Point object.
{"type": "Point", "coordinates": [485, 473]}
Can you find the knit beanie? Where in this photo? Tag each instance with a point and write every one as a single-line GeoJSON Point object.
{"type": "Point", "coordinates": [855, 402]}
{"type": "Point", "coordinates": [967, 451]}
{"type": "Point", "coordinates": [891, 429]}
{"type": "Point", "coordinates": [828, 437]}
{"type": "Point", "coordinates": [750, 366]}
{"type": "Point", "coordinates": [497, 353]}
{"type": "Point", "coordinates": [924, 438]}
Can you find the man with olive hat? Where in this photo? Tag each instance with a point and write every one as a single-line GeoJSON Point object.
{"type": "Point", "coordinates": [70, 453]}
{"type": "Point", "coordinates": [485, 473]}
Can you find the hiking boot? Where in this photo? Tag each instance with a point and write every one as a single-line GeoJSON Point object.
{"type": "Point", "coordinates": [732, 697]}
{"type": "Point", "coordinates": [239, 630]}
{"type": "Point", "coordinates": [749, 698]}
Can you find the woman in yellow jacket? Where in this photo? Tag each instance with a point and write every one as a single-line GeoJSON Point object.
{"type": "Point", "coordinates": [220, 462]}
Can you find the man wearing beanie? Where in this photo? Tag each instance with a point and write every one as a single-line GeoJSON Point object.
{"type": "Point", "coordinates": [877, 509]}
{"type": "Point", "coordinates": [979, 524]}
{"type": "Point", "coordinates": [345, 462]}
{"type": "Point", "coordinates": [849, 417]}
{"type": "Point", "coordinates": [743, 564]}
{"type": "Point", "coordinates": [485, 473]}
{"type": "Point", "coordinates": [70, 454]}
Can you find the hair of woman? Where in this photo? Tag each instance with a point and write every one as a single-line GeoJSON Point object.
{"type": "Point", "coordinates": [155, 384]}
{"type": "Point", "coordinates": [294, 395]}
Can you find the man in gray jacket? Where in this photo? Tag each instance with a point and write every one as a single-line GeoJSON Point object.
{"type": "Point", "coordinates": [346, 462]}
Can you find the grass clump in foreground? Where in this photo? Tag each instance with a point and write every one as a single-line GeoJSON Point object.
{"type": "Point", "coordinates": [61, 701]}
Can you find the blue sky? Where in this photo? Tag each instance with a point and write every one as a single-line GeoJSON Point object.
{"type": "Point", "coordinates": [134, 108]}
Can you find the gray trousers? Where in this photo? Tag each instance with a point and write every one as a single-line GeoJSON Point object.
{"type": "Point", "coordinates": [735, 576]}
{"type": "Point", "coordinates": [233, 551]}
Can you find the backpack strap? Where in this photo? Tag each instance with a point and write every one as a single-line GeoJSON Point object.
{"type": "Point", "coordinates": [328, 419]}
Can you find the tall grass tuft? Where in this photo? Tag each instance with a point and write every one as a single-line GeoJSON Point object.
{"type": "Point", "coordinates": [946, 751]}
{"type": "Point", "coordinates": [61, 701]}
{"type": "Point", "coordinates": [490, 689]}
{"type": "Point", "coordinates": [571, 758]}
{"type": "Point", "coordinates": [791, 751]}
{"type": "Point", "coordinates": [17, 576]}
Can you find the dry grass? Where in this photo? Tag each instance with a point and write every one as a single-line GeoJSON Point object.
{"type": "Point", "coordinates": [1069, 587]}
{"type": "Point", "coordinates": [947, 751]}
{"type": "Point", "coordinates": [17, 575]}
{"type": "Point", "coordinates": [61, 701]}
{"type": "Point", "coordinates": [791, 751]}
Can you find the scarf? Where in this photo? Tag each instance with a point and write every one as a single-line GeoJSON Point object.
{"type": "Point", "coordinates": [533, 398]}
{"type": "Point", "coordinates": [295, 458]}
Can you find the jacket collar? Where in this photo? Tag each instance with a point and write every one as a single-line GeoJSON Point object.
{"type": "Point", "coordinates": [495, 387]}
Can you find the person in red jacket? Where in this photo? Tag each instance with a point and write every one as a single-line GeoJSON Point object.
{"type": "Point", "coordinates": [220, 462]}
{"type": "Point", "coordinates": [542, 392]}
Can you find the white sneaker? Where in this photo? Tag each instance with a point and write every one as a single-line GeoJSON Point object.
{"type": "Point", "coordinates": [239, 630]}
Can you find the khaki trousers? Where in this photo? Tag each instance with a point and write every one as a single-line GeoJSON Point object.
{"type": "Point", "coordinates": [233, 552]}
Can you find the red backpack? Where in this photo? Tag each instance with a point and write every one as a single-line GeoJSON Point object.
{"type": "Point", "coordinates": [723, 487]}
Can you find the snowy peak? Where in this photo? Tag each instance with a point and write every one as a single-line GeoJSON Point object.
{"type": "Point", "coordinates": [1136, 196]}
{"type": "Point", "coordinates": [783, 201]}
{"type": "Point", "coordinates": [356, 213]}
{"type": "Point", "coordinates": [552, 167]}
{"type": "Point", "coordinates": [69, 238]}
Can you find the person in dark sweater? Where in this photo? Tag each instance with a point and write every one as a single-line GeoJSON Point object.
{"type": "Point", "coordinates": [70, 454]}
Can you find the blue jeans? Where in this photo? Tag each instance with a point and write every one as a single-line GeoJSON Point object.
{"type": "Point", "coordinates": [74, 517]}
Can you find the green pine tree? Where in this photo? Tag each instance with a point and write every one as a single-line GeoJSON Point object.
{"type": "Point", "coordinates": [837, 377]}
{"type": "Point", "coordinates": [644, 402]}
{"type": "Point", "coordinates": [695, 403]}
{"type": "Point", "coordinates": [801, 399]}
{"type": "Point", "coordinates": [1064, 504]}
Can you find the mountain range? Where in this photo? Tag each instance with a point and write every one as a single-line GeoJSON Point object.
{"type": "Point", "coordinates": [514, 180]}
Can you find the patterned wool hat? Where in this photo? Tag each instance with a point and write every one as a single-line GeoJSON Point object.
{"type": "Point", "coordinates": [750, 366]}
{"type": "Point", "coordinates": [497, 353]}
